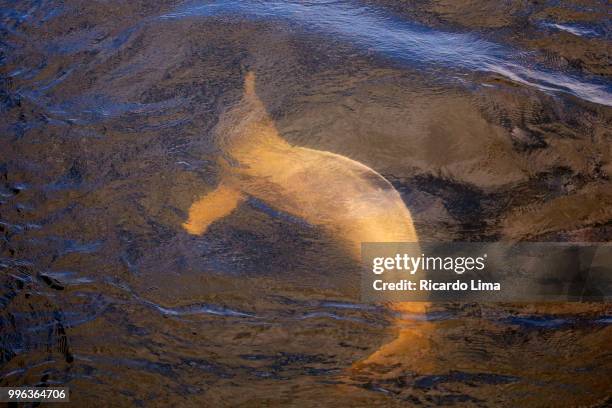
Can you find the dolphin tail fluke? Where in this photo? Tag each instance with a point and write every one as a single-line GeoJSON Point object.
{"type": "Point", "coordinates": [211, 207]}
{"type": "Point", "coordinates": [249, 84]}
{"type": "Point", "coordinates": [411, 350]}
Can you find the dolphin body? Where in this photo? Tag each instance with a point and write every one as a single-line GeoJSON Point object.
{"type": "Point", "coordinates": [348, 199]}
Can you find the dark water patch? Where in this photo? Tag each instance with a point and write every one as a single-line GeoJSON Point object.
{"type": "Point", "coordinates": [158, 367]}
{"type": "Point", "coordinates": [451, 399]}
{"type": "Point", "coordinates": [538, 322]}
{"type": "Point", "coordinates": [72, 246]}
{"type": "Point", "coordinates": [553, 322]}
{"type": "Point", "coordinates": [8, 101]}
{"type": "Point", "coordinates": [34, 13]}
{"type": "Point", "coordinates": [280, 366]}
{"type": "Point", "coordinates": [403, 390]}
{"type": "Point", "coordinates": [50, 342]}
{"type": "Point", "coordinates": [471, 379]}
{"type": "Point", "coordinates": [62, 247]}
{"type": "Point", "coordinates": [9, 190]}
{"type": "Point", "coordinates": [51, 282]}
{"type": "Point", "coordinates": [470, 207]}
{"type": "Point", "coordinates": [527, 141]}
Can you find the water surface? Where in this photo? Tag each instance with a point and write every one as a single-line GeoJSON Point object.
{"type": "Point", "coordinates": [492, 120]}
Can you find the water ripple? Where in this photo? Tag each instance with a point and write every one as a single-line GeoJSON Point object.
{"type": "Point", "coordinates": [196, 309]}
{"type": "Point", "coordinates": [407, 42]}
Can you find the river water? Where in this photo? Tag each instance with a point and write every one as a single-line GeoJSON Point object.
{"type": "Point", "coordinates": [493, 120]}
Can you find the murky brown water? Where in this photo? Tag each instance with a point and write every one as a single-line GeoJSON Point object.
{"type": "Point", "coordinates": [492, 121]}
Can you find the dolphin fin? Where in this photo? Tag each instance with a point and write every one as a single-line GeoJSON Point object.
{"type": "Point", "coordinates": [249, 84]}
{"type": "Point", "coordinates": [211, 207]}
